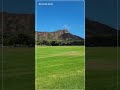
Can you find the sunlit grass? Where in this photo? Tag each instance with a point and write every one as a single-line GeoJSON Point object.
{"type": "Point", "coordinates": [59, 67]}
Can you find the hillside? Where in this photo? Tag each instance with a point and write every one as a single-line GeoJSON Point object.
{"type": "Point", "coordinates": [98, 34]}
{"type": "Point", "coordinates": [58, 38]}
{"type": "Point", "coordinates": [96, 28]}
{"type": "Point", "coordinates": [57, 35]}
{"type": "Point", "coordinates": [20, 29]}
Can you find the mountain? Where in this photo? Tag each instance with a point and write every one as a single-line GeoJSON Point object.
{"type": "Point", "coordinates": [98, 34]}
{"type": "Point", "coordinates": [57, 35]}
{"type": "Point", "coordinates": [20, 29]}
{"type": "Point", "coordinates": [96, 28]}
{"type": "Point", "coordinates": [18, 22]}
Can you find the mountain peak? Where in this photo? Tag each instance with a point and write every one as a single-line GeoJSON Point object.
{"type": "Point", "coordinates": [57, 35]}
{"type": "Point", "coordinates": [63, 31]}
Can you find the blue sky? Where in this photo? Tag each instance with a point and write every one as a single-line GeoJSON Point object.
{"type": "Point", "coordinates": [61, 15]}
{"type": "Point", "coordinates": [104, 11]}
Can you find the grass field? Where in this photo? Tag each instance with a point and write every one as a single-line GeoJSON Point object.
{"type": "Point", "coordinates": [101, 68]}
{"type": "Point", "coordinates": [60, 67]}
{"type": "Point", "coordinates": [18, 68]}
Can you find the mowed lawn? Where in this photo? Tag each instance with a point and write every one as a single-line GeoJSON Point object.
{"type": "Point", "coordinates": [18, 68]}
{"type": "Point", "coordinates": [60, 67]}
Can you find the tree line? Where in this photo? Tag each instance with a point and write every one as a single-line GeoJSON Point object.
{"type": "Point", "coordinates": [60, 43]}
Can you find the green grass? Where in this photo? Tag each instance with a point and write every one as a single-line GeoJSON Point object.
{"type": "Point", "coordinates": [18, 68]}
{"type": "Point", "coordinates": [101, 68]}
{"type": "Point", "coordinates": [60, 67]}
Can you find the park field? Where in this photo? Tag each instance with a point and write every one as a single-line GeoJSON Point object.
{"type": "Point", "coordinates": [17, 68]}
{"type": "Point", "coordinates": [60, 67]}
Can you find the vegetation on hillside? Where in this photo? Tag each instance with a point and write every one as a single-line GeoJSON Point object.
{"type": "Point", "coordinates": [60, 43]}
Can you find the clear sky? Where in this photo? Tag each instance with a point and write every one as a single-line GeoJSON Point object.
{"type": "Point", "coordinates": [18, 6]}
{"type": "Point", "coordinates": [104, 11]}
{"type": "Point", "coordinates": [61, 15]}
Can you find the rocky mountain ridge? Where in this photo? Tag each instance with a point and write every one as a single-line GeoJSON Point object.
{"type": "Point", "coordinates": [57, 35]}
